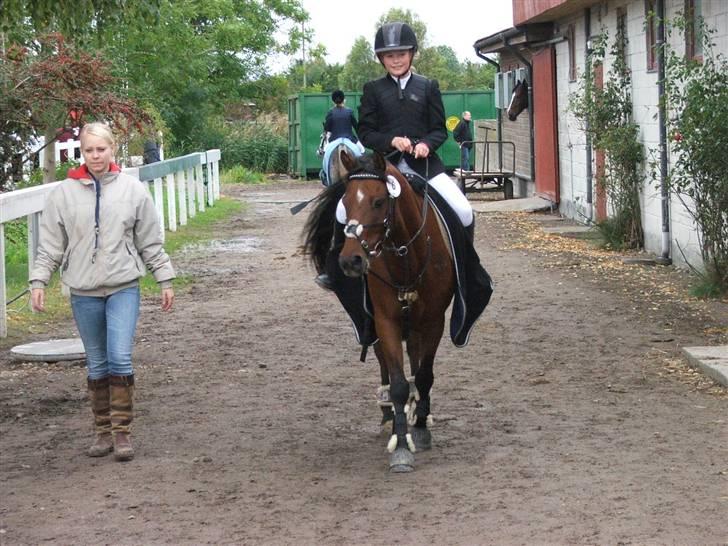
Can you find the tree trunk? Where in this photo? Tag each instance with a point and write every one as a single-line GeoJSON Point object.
{"type": "Point", "coordinates": [49, 161]}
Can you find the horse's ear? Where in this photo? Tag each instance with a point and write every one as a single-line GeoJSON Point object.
{"type": "Point", "coordinates": [379, 162]}
{"type": "Point", "coordinates": [347, 160]}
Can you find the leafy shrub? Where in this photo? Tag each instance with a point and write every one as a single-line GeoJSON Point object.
{"type": "Point", "coordinates": [241, 175]}
{"type": "Point", "coordinates": [696, 97]}
{"type": "Point", "coordinates": [606, 115]}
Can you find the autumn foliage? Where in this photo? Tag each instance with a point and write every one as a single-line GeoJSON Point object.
{"type": "Point", "coordinates": [57, 85]}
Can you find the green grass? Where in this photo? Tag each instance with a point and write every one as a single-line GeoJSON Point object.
{"type": "Point", "coordinates": [707, 288]}
{"type": "Point", "coordinates": [20, 318]}
{"type": "Point", "coordinates": [241, 175]}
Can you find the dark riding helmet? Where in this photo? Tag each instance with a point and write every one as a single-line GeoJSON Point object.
{"type": "Point", "coordinates": [395, 37]}
{"type": "Point", "coordinates": [337, 96]}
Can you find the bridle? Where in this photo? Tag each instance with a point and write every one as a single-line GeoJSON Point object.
{"type": "Point", "coordinates": [353, 229]}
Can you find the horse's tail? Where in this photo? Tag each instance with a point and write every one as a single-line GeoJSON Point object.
{"type": "Point", "coordinates": [319, 228]}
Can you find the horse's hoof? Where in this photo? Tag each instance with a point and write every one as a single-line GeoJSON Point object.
{"type": "Point", "coordinates": [401, 460]}
{"type": "Point", "coordinates": [422, 438]}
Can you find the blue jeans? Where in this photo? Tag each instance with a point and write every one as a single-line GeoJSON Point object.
{"type": "Point", "coordinates": [465, 158]}
{"type": "Point", "coordinates": [107, 325]}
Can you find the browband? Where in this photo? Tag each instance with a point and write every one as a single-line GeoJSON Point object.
{"type": "Point", "coordinates": [381, 177]}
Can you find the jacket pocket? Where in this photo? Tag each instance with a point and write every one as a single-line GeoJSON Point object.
{"type": "Point", "coordinates": [65, 261]}
{"type": "Point", "coordinates": [134, 255]}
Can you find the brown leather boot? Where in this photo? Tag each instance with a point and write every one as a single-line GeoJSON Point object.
{"type": "Point", "coordinates": [122, 405]}
{"type": "Point", "coordinates": [98, 393]}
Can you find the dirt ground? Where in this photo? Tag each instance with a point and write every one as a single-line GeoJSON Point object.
{"type": "Point", "coordinates": [570, 418]}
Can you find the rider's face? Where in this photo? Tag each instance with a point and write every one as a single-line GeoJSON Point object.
{"type": "Point", "coordinates": [397, 63]}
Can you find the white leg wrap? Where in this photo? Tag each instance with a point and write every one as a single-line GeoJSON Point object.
{"type": "Point", "coordinates": [409, 410]}
{"type": "Point", "coordinates": [392, 444]}
{"type": "Point", "coordinates": [383, 396]}
{"type": "Point", "coordinates": [410, 443]}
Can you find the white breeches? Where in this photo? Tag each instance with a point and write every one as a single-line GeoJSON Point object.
{"type": "Point", "coordinates": [443, 185]}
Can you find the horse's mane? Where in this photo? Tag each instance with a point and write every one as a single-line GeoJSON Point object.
{"type": "Point", "coordinates": [319, 227]}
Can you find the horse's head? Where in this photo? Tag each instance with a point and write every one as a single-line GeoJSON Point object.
{"type": "Point", "coordinates": [519, 100]}
{"type": "Point", "coordinates": [369, 201]}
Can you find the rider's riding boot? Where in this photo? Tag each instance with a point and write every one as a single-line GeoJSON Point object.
{"type": "Point", "coordinates": [98, 394]}
{"type": "Point", "coordinates": [326, 279]}
{"type": "Point", "coordinates": [122, 406]}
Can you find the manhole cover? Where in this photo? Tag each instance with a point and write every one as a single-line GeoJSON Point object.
{"type": "Point", "coordinates": [53, 350]}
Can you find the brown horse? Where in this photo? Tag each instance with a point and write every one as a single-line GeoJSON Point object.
{"type": "Point", "coordinates": [393, 237]}
{"type": "Point", "coordinates": [519, 100]}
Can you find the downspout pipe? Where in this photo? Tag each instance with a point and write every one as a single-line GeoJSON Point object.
{"type": "Point", "coordinates": [588, 150]}
{"type": "Point", "coordinates": [529, 67]}
{"type": "Point", "coordinates": [664, 257]}
{"type": "Point", "coordinates": [499, 115]}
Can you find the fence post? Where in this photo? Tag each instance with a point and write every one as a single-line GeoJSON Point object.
{"type": "Point", "coordinates": [3, 293]}
{"type": "Point", "coordinates": [171, 204]}
{"type": "Point", "coordinates": [182, 196]}
{"type": "Point", "coordinates": [200, 185]}
{"type": "Point", "coordinates": [33, 238]}
{"type": "Point", "coordinates": [189, 177]}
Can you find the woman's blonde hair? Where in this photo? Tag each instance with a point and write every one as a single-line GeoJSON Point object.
{"type": "Point", "coordinates": [99, 129]}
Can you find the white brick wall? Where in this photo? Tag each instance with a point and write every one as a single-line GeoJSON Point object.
{"type": "Point", "coordinates": [572, 154]}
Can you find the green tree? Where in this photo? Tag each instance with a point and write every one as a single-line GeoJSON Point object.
{"type": "Point", "coordinates": [477, 75]}
{"type": "Point", "coordinates": [25, 22]}
{"type": "Point", "coordinates": [361, 66]}
{"type": "Point", "coordinates": [440, 63]}
{"type": "Point", "coordinates": [55, 86]}
{"type": "Point", "coordinates": [200, 57]}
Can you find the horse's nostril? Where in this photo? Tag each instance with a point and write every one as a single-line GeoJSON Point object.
{"type": "Point", "coordinates": [352, 266]}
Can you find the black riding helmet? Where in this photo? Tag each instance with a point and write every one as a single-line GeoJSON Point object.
{"type": "Point", "coordinates": [395, 37]}
{"type": "Point", "coordinates": [337, 96]}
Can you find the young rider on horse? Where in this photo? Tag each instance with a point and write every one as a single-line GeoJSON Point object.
{"type": "Point", "coordinates": [402, 116]}
{"type": "Point", "coordinates": [340, 120]}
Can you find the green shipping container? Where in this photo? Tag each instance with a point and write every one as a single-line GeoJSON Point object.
{"type": "Point", "coordinates": [307, 111]}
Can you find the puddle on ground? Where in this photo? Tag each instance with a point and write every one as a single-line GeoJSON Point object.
{"type": "Point", "coordinates": [236, 244]}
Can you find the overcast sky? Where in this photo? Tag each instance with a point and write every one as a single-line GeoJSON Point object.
{"type": "Point", "coordinates": [455, 23]}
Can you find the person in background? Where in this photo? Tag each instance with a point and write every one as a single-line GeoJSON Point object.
{"type": "Point", "coordinates": [340, 121]}
{"type": "Point", "coordinates": [463, 135]}
{"type": "Point", "coordinates": [151, 152]}
{"type": "Point", "coordinates": [100, 227]}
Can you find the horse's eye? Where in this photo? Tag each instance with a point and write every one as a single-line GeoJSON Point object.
{"type": "Point", "coordinates": [378, 203]}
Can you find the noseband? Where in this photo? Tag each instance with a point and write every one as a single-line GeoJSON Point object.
{"type": "Point", "coordinates": [354, 229]}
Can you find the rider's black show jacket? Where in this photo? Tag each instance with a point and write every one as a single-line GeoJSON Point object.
{"type": "Point", "coordinates": [416, 112]}
{"type": "Point", "coordinates": [341, 123]}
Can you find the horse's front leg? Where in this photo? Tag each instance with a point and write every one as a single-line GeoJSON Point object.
{"type": "Point", "coordinates": [425, 344]}
{"type": "Point", "coordinates": [383, 398]}
{"type": "Point", "coordinates": [400, 445]}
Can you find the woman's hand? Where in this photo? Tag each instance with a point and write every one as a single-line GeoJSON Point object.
{"type": "Point", "coordinates": [37, 299]}
{"type": "Point", "coordinates": [167, 299]}
{"type": "Point", "coordinates": [421, 150]}
{"type": "Point", "coordinates": [402, 144]}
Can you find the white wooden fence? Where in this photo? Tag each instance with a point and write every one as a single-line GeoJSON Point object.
{"type": "Point", "coordinates": [186, 184]}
